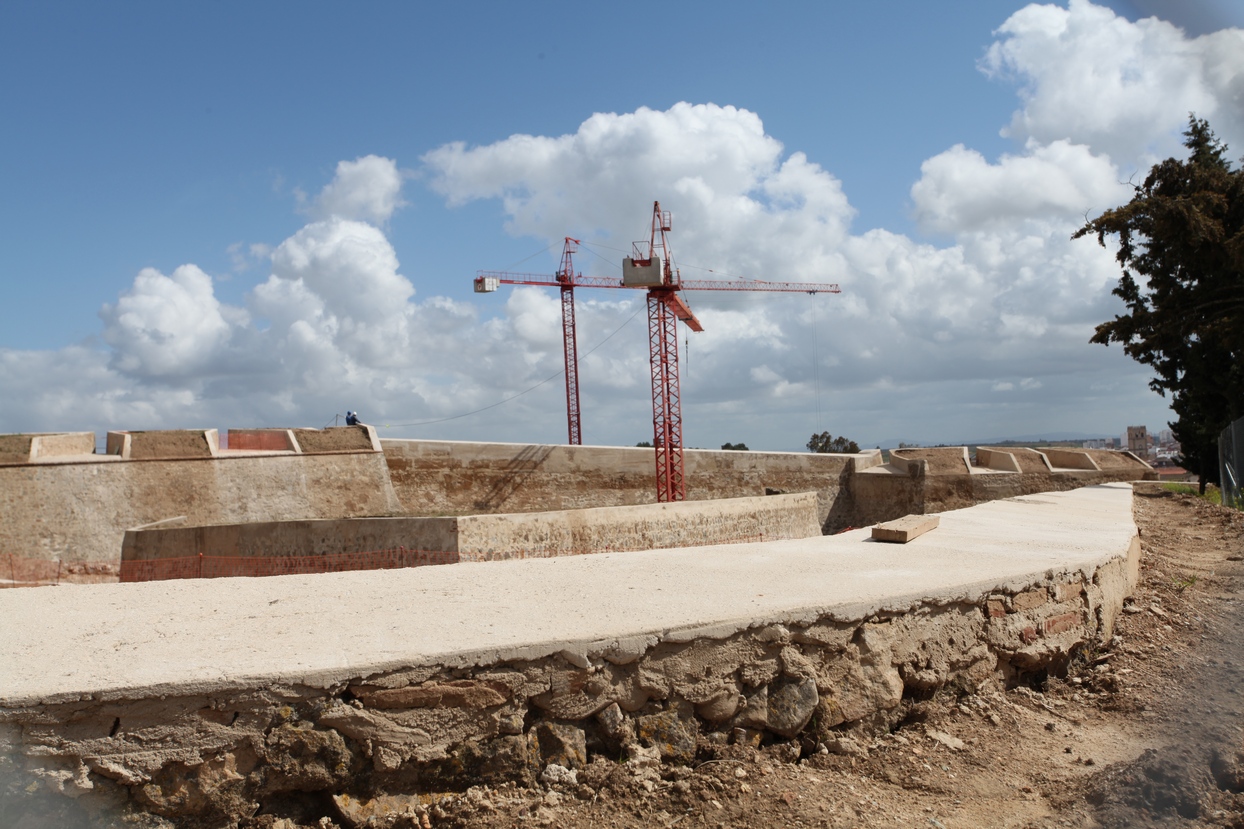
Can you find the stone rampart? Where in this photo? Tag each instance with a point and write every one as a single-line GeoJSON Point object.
{"type": "Point", "coordinates": [45, 447]}
{"type": "Point", "coordinates": [921, 481]}
{"type": "Point", "coordinates": [494, 537]}
{"type": "Point", "coordinates": [166, 444]}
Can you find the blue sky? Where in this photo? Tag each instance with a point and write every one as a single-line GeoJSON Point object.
{"type": "Point", "coordinates": [153, 136]}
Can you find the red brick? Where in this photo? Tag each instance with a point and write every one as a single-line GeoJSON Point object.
{"type": "Point", "coordinates": [1029, 635]}
{"type": "Point", "coordinates": [995, 608]}
{"type": "Point", "coordinates": [1062, 622]}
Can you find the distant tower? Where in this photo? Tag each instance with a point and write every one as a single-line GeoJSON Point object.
{"type": "Point", "coordinates": [1138, 440]}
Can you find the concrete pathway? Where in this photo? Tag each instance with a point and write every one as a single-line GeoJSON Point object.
{"type": "Point", "coordinates": [195, 636]}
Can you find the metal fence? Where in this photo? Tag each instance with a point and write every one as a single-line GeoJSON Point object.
{"type": "Point", "coordinates": [1231, 463]}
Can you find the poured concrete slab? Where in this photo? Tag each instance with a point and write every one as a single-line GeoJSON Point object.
{"type": "Point", "coordinates": [128, 641]}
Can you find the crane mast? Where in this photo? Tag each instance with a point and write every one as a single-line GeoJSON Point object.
{"type": "Point", "coordinates": [651, 268]}
{"type": "Point", "coordinates": [570, 345]}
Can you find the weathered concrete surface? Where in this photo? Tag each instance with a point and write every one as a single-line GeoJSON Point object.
{"type": "Point", "coordinates": [210, 698]}
{"type": "Point", "coordinates": [306, 537]}
{"type": "Point", "coordinates": [164, 444]}
{"type": "Point", "coordinates": [642, 527]}
{"type": "Point", "coordinates": [457, 478]}
{"type": "Point", "coordinates": [938, 460]}
{"type": "Point", "coordinates": [359, 438]}
{"type": "Point", "coordinates": [496, 537]}
{"type": "Point", "coordinates": [261, 440]}
{"type": "Point", "coordinates": [80, 511]}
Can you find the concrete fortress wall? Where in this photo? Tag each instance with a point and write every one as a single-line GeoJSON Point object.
{"type": "Point", "coordinates": [76, 508]}
{"type": "Point", "coordinates": [58, 503]}
{"type": "Point", "coordinates": [459, 478]}
{"type": "Point", "coordinates": [922, 481]}
{"type": "Point", "coordinates": [80, 511]}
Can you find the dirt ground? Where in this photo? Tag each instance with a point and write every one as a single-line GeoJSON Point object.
{"type": "Point", "coordinates": [1145, 732]}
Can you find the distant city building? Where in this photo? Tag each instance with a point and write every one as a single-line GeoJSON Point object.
{"type": "Point", "coordinates": [1138, 440]}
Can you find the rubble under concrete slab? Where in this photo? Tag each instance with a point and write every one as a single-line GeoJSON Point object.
{"type": "Point", "coordinates": [205, 700]}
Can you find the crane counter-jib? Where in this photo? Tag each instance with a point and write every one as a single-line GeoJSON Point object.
{"type": "Point", "coordinates": [488, 281]}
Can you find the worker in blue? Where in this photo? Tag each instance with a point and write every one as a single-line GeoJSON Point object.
{"type": "Point", "coordinates": [352, 418]}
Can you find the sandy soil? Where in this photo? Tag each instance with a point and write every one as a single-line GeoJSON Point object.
{"type": "Point", "coordinates": [1144, 732]}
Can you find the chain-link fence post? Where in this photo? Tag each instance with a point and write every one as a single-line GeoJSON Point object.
{"type": "Point", "coordinates": [1231, 463]}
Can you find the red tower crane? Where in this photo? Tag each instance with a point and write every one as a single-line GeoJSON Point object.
{"type": "Point", "coordinates": [651, 268]}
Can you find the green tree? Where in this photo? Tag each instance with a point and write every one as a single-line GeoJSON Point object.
{"type": "Point", "coordinates": [826, 443]}
{"type": "Point", "coordinates": [735, 447]}
{"type": "Point", "coordinates": [1181, 246]}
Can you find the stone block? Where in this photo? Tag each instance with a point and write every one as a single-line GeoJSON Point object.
{"type": "Point", "coordinates": [791, 707]}
{"type": "Point", "coordinates": [1030, 599]}
{"type": "Point", "coordinates": [670, 734]}
{"type": "Point", "coordinates": [298, 758]}
{"type": "Point", "coordinates": [611, 720]}
{"type": "Point", "coordinates": [565, 745]}
{"type": "Point", "coordinates": [1068, 592]}
{"type": "Point", "coordinates": [377, 811]}
{"type": "Point", "coordinates": [720, 707]}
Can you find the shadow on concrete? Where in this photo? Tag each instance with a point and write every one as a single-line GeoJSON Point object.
{"type": "Point", "coordinates": [512, 476]}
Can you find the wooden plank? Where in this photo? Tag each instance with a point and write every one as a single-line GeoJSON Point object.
{"type": "Point", "coordinates": [905, 529]}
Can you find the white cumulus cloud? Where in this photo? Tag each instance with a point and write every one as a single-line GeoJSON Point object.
{"type": "Point", "coordinates": [716, 162]}
{"type": "Point", "coordinates": [1124, 89]}
{"type": "Point", "coordinates": [367, 189]}
{"type": "Point", "coordinates": [960, 191]}
{"type": "Point", "coordinates": [167, 325]}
